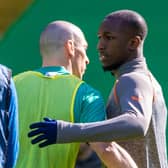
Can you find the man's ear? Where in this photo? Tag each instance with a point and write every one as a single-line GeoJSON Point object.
{"type": "Point", "coordinates": [134, 43]}
{"type": "Point", "coordinates": [69, 47]}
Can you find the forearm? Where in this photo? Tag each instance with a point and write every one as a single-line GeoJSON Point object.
{"type": "Point", "coordinates": [123, 127]}
{"type": "Point", "coordinates": [113, 155]}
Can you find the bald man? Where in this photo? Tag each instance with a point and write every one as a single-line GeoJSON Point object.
{"type": "Point", "coordinates": [136, 104]}
{"type": "Point", "coordinates": [57, 91]}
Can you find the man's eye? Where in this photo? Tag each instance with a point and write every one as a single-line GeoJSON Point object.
{"type": "Point", "coordinates": [106, 37]}
{"type": "Point", "coordinates": [110, 37]}
{"type": "Point", "coordinates": [99, 37]}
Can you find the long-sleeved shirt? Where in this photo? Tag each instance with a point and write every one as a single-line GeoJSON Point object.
{"type": "Point", "coordinates": [138, 115]}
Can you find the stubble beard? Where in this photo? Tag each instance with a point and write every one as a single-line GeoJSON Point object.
{"type": "Point", "coordinates": [112, 67]}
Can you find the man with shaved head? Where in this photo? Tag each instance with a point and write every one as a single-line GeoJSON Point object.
{"type": "Point", "coordinates": [136, 108]}
{"type": "Point", "coordinates": [56, 85]}
{"type": "Point", "coordinates": [57, 91]}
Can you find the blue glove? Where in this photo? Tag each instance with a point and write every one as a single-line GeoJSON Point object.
{"type": "Point", "coordinates": [45, 132]}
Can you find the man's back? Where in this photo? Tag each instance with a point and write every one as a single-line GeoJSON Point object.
{"type": "Point", "coordinates": [41, 96]}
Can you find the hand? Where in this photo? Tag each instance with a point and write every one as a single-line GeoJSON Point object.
{"type": "Point", "coordinates": [45, 132]}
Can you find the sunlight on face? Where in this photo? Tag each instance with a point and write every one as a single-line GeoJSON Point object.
{"type": "Point", "coordinates": [80, 60]}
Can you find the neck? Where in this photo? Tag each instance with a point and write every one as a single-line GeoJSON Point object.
{"type": "Point", "coordinates": [55, 62]}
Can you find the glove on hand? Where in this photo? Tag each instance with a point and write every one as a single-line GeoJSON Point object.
{"type": "Point", "coordinates": [45, 132]}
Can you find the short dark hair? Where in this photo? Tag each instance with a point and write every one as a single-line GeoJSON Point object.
{"type": "Point", "coordinates": [131, 20]}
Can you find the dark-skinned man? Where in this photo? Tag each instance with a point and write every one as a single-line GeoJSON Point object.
{"type": "Point", "coordinates": [136, 108]}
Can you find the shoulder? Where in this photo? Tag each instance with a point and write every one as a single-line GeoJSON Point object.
{"type": "Point", "coordinates": [3, 67]}
{"type": "Point", "coordinates": [5, 74]}
{"type": "Point", "coordinates": [134, 79]}
{"type": "Point", "coordinates": [24, 75]}
{"type": "Point", "coordinates": [89, 96]}
{"type": "Point", "coordinates": [88, 90]}
{"type": "Point", "coordinates": [90, 104]}
{"type": "Point", "coordinates": [5, 70]}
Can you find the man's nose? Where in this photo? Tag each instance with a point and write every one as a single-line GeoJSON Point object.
{"type": "Point", "coordinates": [87, 60]}
{"type": "Point", "coordinates": [100, 45]}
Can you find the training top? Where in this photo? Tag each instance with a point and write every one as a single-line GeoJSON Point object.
{"type": "Point", "coordinates": [138, 115]}
{"type": "Point", "coordinates": [9, 142]}
{"type": "Point", "coordinates": [89, 103]}
{"type": "Point", "coordinates": [52, 92]}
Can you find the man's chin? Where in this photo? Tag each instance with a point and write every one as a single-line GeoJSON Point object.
{"type": "Point", "coordinates": [108, 68]}
{"type": "Point", "coordinates": [105, 68]}
{"type": "Point", "coordinates": [112, 67]}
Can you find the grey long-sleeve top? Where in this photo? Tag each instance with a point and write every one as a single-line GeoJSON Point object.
{"type": "Point", "coordinates": [137, 117]}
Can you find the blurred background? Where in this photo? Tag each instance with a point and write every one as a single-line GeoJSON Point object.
{"type": "Point", "coordinates": [21, 22]}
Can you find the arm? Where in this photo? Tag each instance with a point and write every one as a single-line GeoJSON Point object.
{"type": "Point", "coordinates": [132, 122]}
{"type": "Point", "coordinates": [122, 127]}
{"type": "Point", "coordinates": [113, 155]}
{"type": "Point", "coordinates": [119, 128]}
{"type": "Point", "coordinates": [89, 107]}
{"type": "Point", "coordinates": [13, 141]}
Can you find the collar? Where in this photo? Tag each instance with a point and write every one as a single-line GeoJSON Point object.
{"type": "Point", "coordinates": [52, 70]}
{"type": "Point", "coordinates": [131, 66]}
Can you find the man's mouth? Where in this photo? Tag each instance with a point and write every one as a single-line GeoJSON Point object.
{"type": "Point", "coordinates": [101, 57]}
